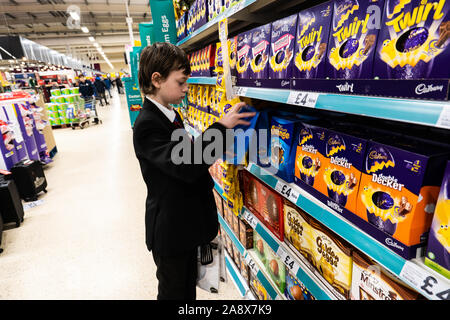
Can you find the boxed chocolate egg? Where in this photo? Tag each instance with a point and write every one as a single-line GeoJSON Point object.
{"type": "Point", "coordinates": [313, 32]}
{"type": "Point", "coordinates": [414, 40]}
{"type": "Point", "coordinates": [260, 247]}
{"type": "Point", "coordinates": [332, 257]}
{"type": "Point", "coordinates": [399, 187]}
{"type": "Point", "coordinates": [309, 158]}
{"type": "Point", "coordinates": [295, 290]}
{"type": "Point", "coordinates": [243, 49]}
{"type": "Point", "coordinates": [370, 281]}
{"type": "Point", "coordinates": [283, 134]}
{"type": "Point", "coordinates": [343, 163]}
{"type": "Point", "coordinates": [297, 231]}
{"type": "Point", "coordinates": [245, 234]}
{"type": "Point", "coordinates": [260, 51]}
{"type": "Point", "coordinates": [282, 47]}
{"type": "Point", "coordinates": [438, 256]}
{"type": "Point", "coordinates": [257, 288]}
{"type": "Point", "coordinates": [353, 38]}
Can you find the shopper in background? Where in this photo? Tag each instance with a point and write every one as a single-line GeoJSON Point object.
{"type": "Point", "coordinates": [119, 85]}
{"type": "Point", "coordinates": [108, 86]}
{"type": "Point", "coordinates": [181, 213]}
{"type": "Point", "coordinates": [101, 90]}
{"type": "Point", "coordinates": [86, 88]}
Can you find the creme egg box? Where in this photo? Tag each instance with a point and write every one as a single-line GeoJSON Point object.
{"type": "Point", "coordinates": [282, 47]}
{"type": "Point", "coordinates": [414, 40]}
{"type": "Point", "coordinates": [353, 38]}
{"type": "Point", "coordinates": [260, 51]}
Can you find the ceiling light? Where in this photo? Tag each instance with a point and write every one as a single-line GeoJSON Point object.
{"type": "Point", "coordinates": [84, 29]}
{"type": "Point", "coordinates": [91, 39]}
{"type": "Point", "coordinates": [96, 44]}
{"type": "Point", "coordinates": [74, 15]}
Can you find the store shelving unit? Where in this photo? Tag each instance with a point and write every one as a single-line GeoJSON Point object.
{"type": "Point", "coordinates": [431, 113]}
{"type": "Point", "coordinates": [412, 272]}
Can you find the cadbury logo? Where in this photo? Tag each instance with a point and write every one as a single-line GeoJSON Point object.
{"type": "Point", "coordinates": [346, 87]}
{"type": "Point", "coordinates": [392, 243]}
{"type": "Point", "coordinates": [423, 88]}
{"type": "Point", "coordinates": [333, 142]}
{"type": "Point", "coordinates": [284, 83]}
{"type": "Point", "coordinates": [377, 156]}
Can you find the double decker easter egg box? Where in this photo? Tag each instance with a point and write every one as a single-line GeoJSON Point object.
{"type": "Point", "coordinates": [353, 38]}
{"type": "Point", "coordinates": [399, 189]}
{"type": "Point", "coordinates": [414, 40]}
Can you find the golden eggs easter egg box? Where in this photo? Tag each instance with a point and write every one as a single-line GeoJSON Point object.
{"type": "Point", "coordinates": [399, 187]}
{"type": "Point", "coordinates": [414, 42]}
{"type": "Point", "coordinates": [438, 250]}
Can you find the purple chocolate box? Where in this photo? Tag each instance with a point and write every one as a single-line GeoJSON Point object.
{"type": "Point", "coordinates": [260, 51]}
{"type": "Point", "coordinates": [282, 47]}
{"type": "Point", "coordinates": [438, 256]}
{"type": "Point", "coordinates": [243, 55]}
{"type": "Point", "coordinates": [353, 38]}
{"type": "Point", "coordinates": [414, 41]}
{"type": "Point", "coordinates": [313, 32]}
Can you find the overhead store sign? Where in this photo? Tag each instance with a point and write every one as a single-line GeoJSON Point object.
{"type": "Point", "coordinates": [163, 16]}
{"type": "Point", "coordinates": [146, 33]}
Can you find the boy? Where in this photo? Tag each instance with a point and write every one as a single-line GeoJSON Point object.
{"type": "Point", "coordinates": [181, 213]}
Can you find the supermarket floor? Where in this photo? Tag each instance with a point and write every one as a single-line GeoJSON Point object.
{"type": "Point", "coordinates": [86, 239]}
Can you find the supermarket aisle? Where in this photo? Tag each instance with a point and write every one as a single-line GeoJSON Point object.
{"type": "Point", "coordinates": [86, 240]}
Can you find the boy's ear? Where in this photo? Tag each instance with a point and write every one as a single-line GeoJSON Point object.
{"type": "Point", "coordinates": [156, 79]}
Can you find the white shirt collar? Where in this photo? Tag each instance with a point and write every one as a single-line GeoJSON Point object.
{"type": "Point", "coordinates": [170, 114]}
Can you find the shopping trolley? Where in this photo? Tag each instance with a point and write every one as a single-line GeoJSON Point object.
{"type": "Point", "coordinates": [83, 114]}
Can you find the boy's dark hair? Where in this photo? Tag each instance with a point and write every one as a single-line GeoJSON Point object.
{"type": "Point", "coordinates": [160, 57]}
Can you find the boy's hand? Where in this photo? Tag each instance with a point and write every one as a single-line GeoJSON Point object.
{"type": "Point", "coordinates": [234, 118]}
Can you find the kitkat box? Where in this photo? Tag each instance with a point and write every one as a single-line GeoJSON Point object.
{"type": "Point", "coordinates": [243, 50]}
{"type": "Point", "coordinates": [399, 187]}
{"type": "Point", "coordinates": [309, 157]}
{"type": "Point", "coordinates": [353, 38]}
{"type": "Point", "coordinates": [282, 47]}
{"type": "Point", "coordinates": [343, 163]}
{"type": "Point", "coordinates": [414, 40]}
{"type": "Point", "coordinates": [260, 51]}
{"type": "Point", "coordinates": [438, 256]}
{"type": "Point", "coordinates": [313, 32]}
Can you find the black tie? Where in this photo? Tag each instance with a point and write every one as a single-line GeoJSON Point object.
{"type": "Point", "coordinates": [178, 122]}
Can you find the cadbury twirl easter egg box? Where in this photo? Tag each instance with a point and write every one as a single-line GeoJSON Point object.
{"type": "Point", "coordinates": [414, 40]}
{"type": "Point", "coordinates": [399, 187]}
{"type": "Point", "coordinates": [438, 251]}
{"type": "Point", "coordinates": [353, 37]}
{"type": "Point", "coordinates": [313, 31]}
{"type": "Point", "coordinates": [243, 50]}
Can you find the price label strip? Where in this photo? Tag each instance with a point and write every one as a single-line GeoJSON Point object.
{"type": "Point", "coordinates": [303, 98]}
{"type": "Point", "coordinates": [288, 260]}
{"type": "Point", "coordinates": [250, 219]}
{"type": "Point", "coordinates": [240, 91]}
{"type": "Point", "coordinates": [444, 118]}
{"type": "Point", "coordinates": [434, 287]}
{"type": "Point", "coordinates": [287, 191]}
{"type": "Point", "coordinates": [251, 263]}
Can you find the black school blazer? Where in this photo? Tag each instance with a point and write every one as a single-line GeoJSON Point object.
{"type": "Point", "coordinates": [180, 211]}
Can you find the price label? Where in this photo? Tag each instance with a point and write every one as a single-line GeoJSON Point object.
{"type": "Point", "coordinates": [252, 264]}
{"type": "Point", "coordinates": [444, 117]}
{"type": "Point", "coordinates": [240, 91]}
{"type": "Point", "coordinates": [250, 219]}
{"type": "Point", "coordinates": [287, 191]}
{"type": "Point", "coordinates": [288, 260]}
{"type": "Point", "coordinates": [434, 287]}
{"type": "Point", "coordinates": [302, 98]}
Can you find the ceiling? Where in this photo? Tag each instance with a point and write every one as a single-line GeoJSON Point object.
{"type": "Point", "coordinates": [49, 23]}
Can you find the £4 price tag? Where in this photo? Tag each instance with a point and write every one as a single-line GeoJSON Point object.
{"type": "Point", "coordinates": [288, 260]}
{"type": "Point", "coordinates": [250, 219]}
{"type": "Point", "coordinates": [434, 287]}
{"type": "Point", "coordinates": [251, 263]}
{"type": "Point", "coordinates": [304, 99]}
{"type": "Point", "coordinates": [287, 191]}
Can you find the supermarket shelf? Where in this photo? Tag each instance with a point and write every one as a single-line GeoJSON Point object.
{"type": "Point", "coordinates": [264, 279]}
{"type": "Point", "coordinates": [211, 26]}
{"type": "Point", "coordinates": [308, 276]}
{"type": "Point", "coordinates": [430, 113]}
{"type": "Point", "coordinates": [202, 80]}
{"type": "Point", "coordinates": [235, 275]}
{"type": "Point", "coordinates": [413, 272]}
